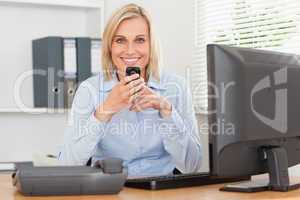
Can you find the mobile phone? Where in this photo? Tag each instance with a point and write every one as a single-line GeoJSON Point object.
{"type": "Point", "coordinates": [133, 70]}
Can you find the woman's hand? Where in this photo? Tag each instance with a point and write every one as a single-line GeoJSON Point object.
{"type": "Point", "coordinates": [150, 99]}
{"type": "Point", "coordinates": [122, 95]}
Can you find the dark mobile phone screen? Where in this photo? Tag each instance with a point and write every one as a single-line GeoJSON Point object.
{"type": "Point", "coordinates": [133, 70]}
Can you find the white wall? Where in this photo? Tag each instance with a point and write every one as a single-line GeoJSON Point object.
{"type": "Point", "coordinates": [23, 135]}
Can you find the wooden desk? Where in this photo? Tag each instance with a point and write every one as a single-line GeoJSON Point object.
{"type": "Point", "coordinates": [211, 192]}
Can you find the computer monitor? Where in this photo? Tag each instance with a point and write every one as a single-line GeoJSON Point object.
{"type": "Point", "coordinates": [253, 115]}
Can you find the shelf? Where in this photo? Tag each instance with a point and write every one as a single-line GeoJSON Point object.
{"type": "Point", "coordinates": [35, 110]}
{"type": "Point", "coordinates": [37, 19]}
{"type": "Point", "coordinates": [201, 110]}
{"type": "Point", "coordinates": [94, 4]}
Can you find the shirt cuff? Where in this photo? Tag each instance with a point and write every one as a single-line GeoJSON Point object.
{"type": "Point", "coordinates": [174, 121]}
{"type": "Point", "coordinates": [173, 128]}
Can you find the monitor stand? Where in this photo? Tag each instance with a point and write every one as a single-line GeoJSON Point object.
{"type": "Point", "coordinates": [277, 163]}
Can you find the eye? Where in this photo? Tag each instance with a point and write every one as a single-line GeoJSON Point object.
{"type": "Point", "coordinates": [120, 40]}
{"type": "Point", "coordinates": [140, 40]}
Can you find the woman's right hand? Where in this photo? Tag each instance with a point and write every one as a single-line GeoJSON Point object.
{"type": "Point", "coordinates": [121, 96]}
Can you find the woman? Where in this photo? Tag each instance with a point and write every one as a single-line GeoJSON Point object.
{"type": "Point", "coordinates": [147, 120]}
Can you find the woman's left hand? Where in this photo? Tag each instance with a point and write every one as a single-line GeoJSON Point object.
{"type": "Point", "coordinates": [150, 99]}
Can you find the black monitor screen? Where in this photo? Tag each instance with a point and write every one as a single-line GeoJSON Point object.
{"type": "Point", "coordinates": [254, 103]}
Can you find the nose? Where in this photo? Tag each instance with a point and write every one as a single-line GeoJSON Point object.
{"type": "Point", "coordinates": [130, 48]}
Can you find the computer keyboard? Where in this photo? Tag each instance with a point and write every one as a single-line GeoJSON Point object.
{"type": "Point", "coordinates": [166, 177]}
{"type": "Point", "coordinates": [181, 180]}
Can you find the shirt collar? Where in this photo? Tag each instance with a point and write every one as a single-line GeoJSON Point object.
{"type": "Point", "coordinates": [107, 85]}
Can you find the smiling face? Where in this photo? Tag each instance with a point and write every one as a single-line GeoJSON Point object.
{"type": "Point", "coordinates": [131, 45]}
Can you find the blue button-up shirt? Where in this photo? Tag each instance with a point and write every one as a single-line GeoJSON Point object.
{"type": "Point", "coordinates": [148, 144]}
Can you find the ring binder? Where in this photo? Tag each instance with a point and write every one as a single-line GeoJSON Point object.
{"type": "Point", "coordinates": [68, 62]}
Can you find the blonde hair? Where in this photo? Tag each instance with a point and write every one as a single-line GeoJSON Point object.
{"type": "Point", "coordinates": [129, 11]}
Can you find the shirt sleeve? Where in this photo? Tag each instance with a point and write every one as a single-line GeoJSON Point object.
{"type": "Point", "coordinates": [83, 131]}
{"type": "Point", "coordinates": [180, 131]}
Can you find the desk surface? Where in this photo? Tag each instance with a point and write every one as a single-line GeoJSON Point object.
{"type": "Point", "coordinates": [211, 192]}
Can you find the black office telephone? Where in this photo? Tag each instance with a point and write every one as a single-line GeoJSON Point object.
{"type": "Point", "coordinates": [105, 177]}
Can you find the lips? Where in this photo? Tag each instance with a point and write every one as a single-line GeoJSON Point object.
{"type": "Point", "coordinates": [130, 61]}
